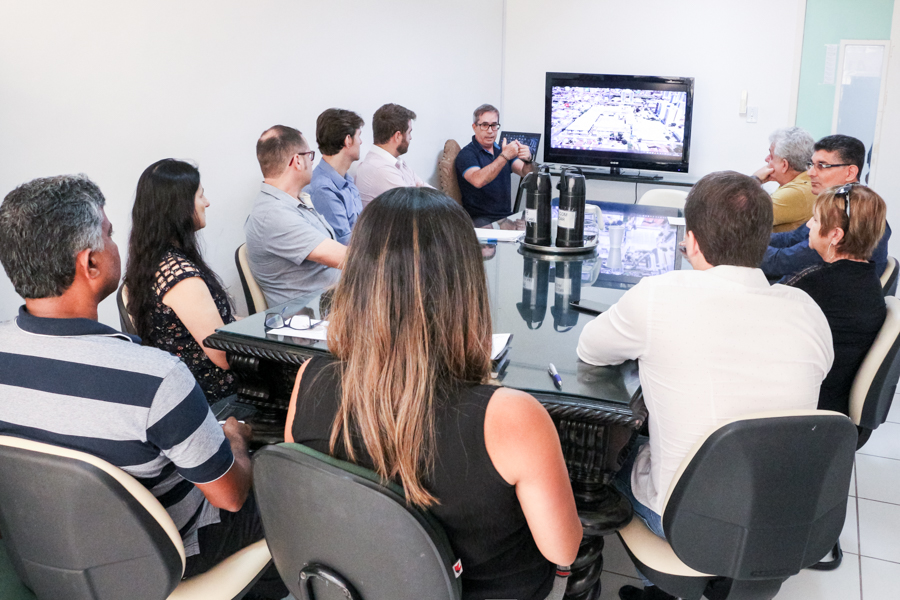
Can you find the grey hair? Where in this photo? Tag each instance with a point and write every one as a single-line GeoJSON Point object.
{"type": "Point", "coordinates": [44, 224]}
{"type": "Point", "coordinates": [794, 145]}
{"type": "Point", "coordinates": [484, 108]}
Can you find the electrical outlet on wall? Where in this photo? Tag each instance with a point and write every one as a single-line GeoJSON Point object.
{"type": "Point", "coordinates": [752, 114]}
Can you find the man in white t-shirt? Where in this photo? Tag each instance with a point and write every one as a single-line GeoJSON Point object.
{"type": "Point", "coordinates": [712, 343]}
{"type": "Point", "coordinates": [383, 168]}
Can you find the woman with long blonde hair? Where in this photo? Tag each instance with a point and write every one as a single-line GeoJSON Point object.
{"type": "Point", "coordinates": [406, 395]}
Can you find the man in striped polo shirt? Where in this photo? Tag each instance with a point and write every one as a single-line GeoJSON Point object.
{"type": "Point", "coordinates": [66, 379]}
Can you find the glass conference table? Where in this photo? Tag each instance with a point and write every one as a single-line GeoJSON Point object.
{"type": "Point", "coordinates": [598, 408]}
{"type": "Point", "coordinates": [597, 412]}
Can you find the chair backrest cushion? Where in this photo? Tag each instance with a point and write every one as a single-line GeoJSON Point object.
{"type": "Point", "coordinates": [447, 170]}
{"type": "Point", "coordinates": [253, 294]}
{"type": "Point", "coordinates": [664, 197]}
{"type": "Point", "coordinates": [876, 380]}
{"type": "Point", "coordinates": [74, 530]}
{"type": "Point", "coordinates": [763, 497]}
{"type": "Point", "coordinates": [318, 509]}
{"type": "Point", "coordinates": [889, 277]}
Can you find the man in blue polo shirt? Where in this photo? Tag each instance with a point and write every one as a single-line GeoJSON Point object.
{"type": "Point", "coordinates": [483, 169]}
{"type": "Point", "coordinates": [332, 189]}
{"type": "Point", "coordinates": [67, 380]}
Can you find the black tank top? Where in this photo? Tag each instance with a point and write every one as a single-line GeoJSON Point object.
{"type": "Point", "coordinates": [478, 509]}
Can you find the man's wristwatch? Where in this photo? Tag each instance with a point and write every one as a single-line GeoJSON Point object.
{"type": "Point", "coordinates": [527, 162]}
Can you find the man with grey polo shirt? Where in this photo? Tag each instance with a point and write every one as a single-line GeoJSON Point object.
{"type": "Point", "coordinates": [292, 250]}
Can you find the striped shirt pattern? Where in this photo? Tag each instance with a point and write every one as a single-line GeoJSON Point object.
{"type": "Point", "coordinates": [82, 385]}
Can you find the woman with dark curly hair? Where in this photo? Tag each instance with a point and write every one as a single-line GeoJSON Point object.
{"type": "Point", "coordinates": [174, 298]}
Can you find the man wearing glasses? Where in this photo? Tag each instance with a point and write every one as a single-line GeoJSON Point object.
{"type": "Point", "coordinates": [837, 160]}
{"type": "Point", "coordinates": [483, 169]}
{"type": "Point", "coordinates": [291, 248]}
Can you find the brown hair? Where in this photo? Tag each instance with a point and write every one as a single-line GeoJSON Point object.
{"type": "Point", "coordinates": [332, 128]}
{"type": "Point", "coordinates": [864, 228]}
{"type": "Point", "coordinates": [388, 120]}
{"type": "Point", "coordinates": [410, 324]}
{"type": "Point", "coordinates": [275, 148]}
{"type": "Point", "coordinates": [731, 217]}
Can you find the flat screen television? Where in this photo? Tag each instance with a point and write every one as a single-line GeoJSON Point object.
{"type": "Point", "coordinates": [618, 121]}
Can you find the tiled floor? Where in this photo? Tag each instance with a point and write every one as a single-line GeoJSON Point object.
{"type": "Point", "coordinates": [871, 536]}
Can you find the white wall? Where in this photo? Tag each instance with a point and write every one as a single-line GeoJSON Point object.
{"type": "Point", "coordinates": [107, 87]}
{"type": "Point", "coordinates": [727, 46]}
{"type": "Point", "coordinates": [887, 153]}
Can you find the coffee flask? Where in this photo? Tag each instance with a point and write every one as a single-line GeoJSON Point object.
{"type": "Point", "coordinates": [570, 228]}
{"type": "Point", "coordinates": [536, 186]}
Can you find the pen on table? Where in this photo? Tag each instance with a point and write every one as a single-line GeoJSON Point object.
{"type": "Point", "coordinates": [557, 380]}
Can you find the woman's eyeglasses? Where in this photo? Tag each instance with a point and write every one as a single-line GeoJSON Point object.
{"type": "Point", "coordinates": [297, 322]}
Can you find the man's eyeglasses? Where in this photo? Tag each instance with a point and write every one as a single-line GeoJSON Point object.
{"type": "Point", "coordinates": [312, 155]}
{"type": "Point", "coordinates": [297, 322]}
{"type": "Point", "coordinates": [844, 191]}
{"type": "Point", "coordinates": [486, 126]}
{"type": "Point", "coordinates": [821, 166]}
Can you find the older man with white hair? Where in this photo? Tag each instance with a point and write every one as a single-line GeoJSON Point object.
{"type": "Point", "coordinates": [790, 149]}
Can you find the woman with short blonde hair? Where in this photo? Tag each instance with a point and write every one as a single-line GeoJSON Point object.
{"type": "Point", "coordinates": [846, 225]}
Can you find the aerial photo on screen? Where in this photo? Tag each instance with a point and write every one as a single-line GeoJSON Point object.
{"type": "Point", "coordinates": [618, 120]}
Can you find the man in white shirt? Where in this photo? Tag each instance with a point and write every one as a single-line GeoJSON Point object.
{"type": "Point", "coordinates": [712, 343]}
{"type": "Point", "coordinates": [383, 169]}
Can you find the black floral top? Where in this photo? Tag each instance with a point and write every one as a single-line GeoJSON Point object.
{"type": "Point", "coordinates": [169, 333]}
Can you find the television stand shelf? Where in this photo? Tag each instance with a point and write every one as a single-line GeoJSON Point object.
{"type": "Point", "coordinates": [606, 176]}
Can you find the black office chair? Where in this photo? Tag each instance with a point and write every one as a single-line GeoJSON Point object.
{"type": "Point", "coordinates": [889, 277]}
{"type": "Point", "coordinates": [757, 500]}
{"type": "Point", "coordinates": [253, 294]}
{"type": "Point", "coordinates": [876, 381]}
{"type": "Point", "coordinates": [11, 588]}
{"type": "Point", "coordinates": [329, 521]}
{"type": "Point", "coordinates": [873, 392]}
{"type": "Point", "coordinates": [78, 528]}
{"type": "Point", "coordinates": [125, 320]}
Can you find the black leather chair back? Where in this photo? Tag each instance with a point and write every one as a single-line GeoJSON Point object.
{"type": "Point", "coordinates": [763, 498]}
{"type": "Point", "coordinates": [74, 532]}
{"type": "Point", "coordinates": [125, 321]}
{"type": "Point", "coordinates": [329, 520]}
{"type": "Point", "coordinates": [889, 277]}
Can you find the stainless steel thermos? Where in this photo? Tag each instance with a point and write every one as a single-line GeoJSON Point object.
{"type": "Point", "coordinates": [537, 186]}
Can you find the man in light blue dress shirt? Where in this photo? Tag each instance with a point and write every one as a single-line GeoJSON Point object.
{"type": "Point", "coordinates": [333, 192]}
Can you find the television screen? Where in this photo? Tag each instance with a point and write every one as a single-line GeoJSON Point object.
{"type": "Point", "coordinates": [619, 121]}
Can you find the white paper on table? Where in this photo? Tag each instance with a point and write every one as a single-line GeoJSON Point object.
{"type": "Point", "coordinates": [318, 332]}
{"type": "Point", "coordinates": [676, 221]}
{"type": "Point", "coordinates": [501, 235]}
{"type": "Point", "coordinates": [498, 343]}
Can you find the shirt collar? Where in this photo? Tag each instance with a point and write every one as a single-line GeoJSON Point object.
{"type": "Point", "coordinates": [339, 181]}
{"type": "Point", "coordinates": [67, 327]}
{"type": "Point", "coordinates": [742, 275]}
{"type": "Point", "coordinates": [278, 193]}
{"type": "Point", "coordinates": [387, 156]}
